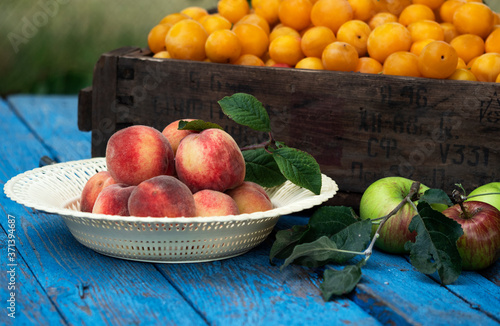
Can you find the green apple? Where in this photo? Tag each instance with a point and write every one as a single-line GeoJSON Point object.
{"type": "Point", "coordinates": [489, 188]}
{"type": "Point", "coordinates": [378, 200]}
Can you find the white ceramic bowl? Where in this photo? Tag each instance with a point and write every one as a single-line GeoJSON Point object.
{"type": "Point", "coordinates": [56, 189]}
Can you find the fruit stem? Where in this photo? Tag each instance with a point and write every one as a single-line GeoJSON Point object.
{"type": "Point", "coordinates": [459, 198]}
{"type": "Point", "coordinates": [415, 186]}
{"type": "Point", "coordinates": [264, 144]}
{"type": "Point", "coordinates": [255, 146]}
{"type": "Point", "coordinates": [348, 251]}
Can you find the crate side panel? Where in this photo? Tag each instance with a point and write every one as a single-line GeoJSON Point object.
{"type": "Point", "coordinates": [359, 127]}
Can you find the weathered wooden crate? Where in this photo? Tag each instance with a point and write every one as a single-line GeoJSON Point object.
{"type": "Point", "coordinates": [359, 127]}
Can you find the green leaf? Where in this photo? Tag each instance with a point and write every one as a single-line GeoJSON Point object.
{"type": "Point", "coordinates": [339, 248]}
{"type": "Point", "coordinates": [325, 221]}
{"type": "Point", "coordinates": [197, 125]}
{"type": "Point", "coordinates": [329, 220]}
{"type": "Point", "coordinates": [285, 241]}
{"type": "Point", "coordinates": [435, 247]}
{"type": "Point", "coordinates": [246, 110]}
{"type": "Point", "coordinates": [436, 196]}
{"type": "Point", "coordinates": [340, 282]}
{"type": "Point", "coordinates": [320, 250]}
{"type": "Point", "coordinates": [355, 237]}
{"type": "Point", "coordinates": [299, 167]}
{"type": "Point", "coordinates": [261, 168]}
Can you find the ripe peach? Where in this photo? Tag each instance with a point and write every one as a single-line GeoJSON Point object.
{"type": "Point", "coordinates": [255, 186]}
{"type": "Point", "coordinates": [214, 203]}
{"type": "Point", "coordinates": [92, 189]}
{"type": "Point", "coordinates": [113, 200]}
{"type": "Point", "coordinates": [210, 159]}
{"type": "Point", "coordinates": [174, 135]}
{"type": "Point", "coordinates": [138, 153]}
{"type": "Point", "coordinates": [250, 198]}
{"type": "Point", "coordinates": [162, 196]}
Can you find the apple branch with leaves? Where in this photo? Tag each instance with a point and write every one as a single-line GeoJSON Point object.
{"type": "Point", "coordinates": [335, 235]}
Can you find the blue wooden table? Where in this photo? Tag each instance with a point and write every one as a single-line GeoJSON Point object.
{"type": "Point", "coordinates": [51, 279]}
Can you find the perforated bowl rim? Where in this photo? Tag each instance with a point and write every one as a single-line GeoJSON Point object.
{"type": "Point", "coordinates": [16, 187]}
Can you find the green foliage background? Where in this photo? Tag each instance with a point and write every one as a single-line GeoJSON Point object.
{"type": "Point", "coordinates": [59, 55]}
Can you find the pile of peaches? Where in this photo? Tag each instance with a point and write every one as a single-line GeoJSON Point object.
{"type": "Point", "coordinates": [173, 173]}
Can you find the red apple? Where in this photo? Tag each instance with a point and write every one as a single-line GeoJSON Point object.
{"type": "Point", "coordinates": [479, 246]}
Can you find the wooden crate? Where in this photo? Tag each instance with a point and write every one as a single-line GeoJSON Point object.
{"type": "Point", "coordinates": [359, 127]}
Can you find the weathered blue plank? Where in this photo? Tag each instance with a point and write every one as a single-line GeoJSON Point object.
{"type": "Point", "coordinates": [393, 291]}
{"type": "Point", "coordinates": [20, 289]}
{"type": "Point", "coordinates": [54, 121]}
{"type": "Point", "coordinates": [480, 293]}
{"type": "Point", "coordinates": [85, 287]}
{"type": "Point", "coordinates": [247, 289]}
{"type": "Point", "coordinates": [410, 293]}
{"type": "Point", "coordinates": [275, 300]}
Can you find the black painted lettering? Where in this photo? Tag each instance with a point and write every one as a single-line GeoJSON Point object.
{"type": "Point", "coordinates": [388, 144]}
{"type": "Point", "coordinates": [460, 152]}
{"type": "Point", "coordinates": [421, 100]}
{"type": "Point", "coordinates": [412, 127]}
{"type": "Point", "coordinates": [370, 121]}
{"type": "Point", "coordinates": [488, 113]}
{"type": "Point", "coordinates": [370, 148]}
{"type": "Point", "coordinates": [398, 125]}
{"type": "Point", "coordinates": [385, 94]}
{"type": "Point", "coordinates": [444, 152]}
{"type": "Point", "coordinates": [215, 83]}
{"type": "Point", "coordinates": [475, 154]}
{"type": "Point", "coordinates": [486, 156]}
{"type": "Point", "coordinates": [407, 92]}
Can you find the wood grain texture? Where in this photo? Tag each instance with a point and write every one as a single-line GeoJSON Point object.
{"type": "Point", "coordinates": [104, 100]}
{"type": "Point", "coordinates": [478, 292]}
{"type": "Point", "coordinates": [52, 120]}
{"type": "Point", "coordinates": [85, 287]}
{"type": "Point", "coordinates": [17, 278]}
{"type": "Point", "coordinates": [84, 109]}
{"type": "Point", "coordinates": [359, 127]}
{"type": "Point", "coordinates": [249, 291]}
{"type": "Point", "coordinates": [302, 297]}
{"type": "Point", "coordinates": [394, 292]}
{"type": "Point", "coordinates": [401, 289]}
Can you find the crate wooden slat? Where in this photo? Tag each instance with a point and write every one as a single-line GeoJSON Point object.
{"type": "Point", "coordinates": [359, 127]}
